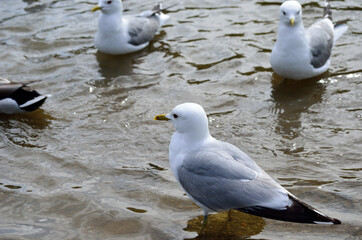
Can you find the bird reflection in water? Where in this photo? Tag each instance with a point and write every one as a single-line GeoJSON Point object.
{"type": "Point", "coordinates": [24, 129]}
{"type": "Point", "coordinates": [226, 225]}
{"type": "Point", "coordinates": [112, 66]}
{"type": "Point", "coordinates": [39, 119]}
{"type": "Point", "coordinates": [292, 99]}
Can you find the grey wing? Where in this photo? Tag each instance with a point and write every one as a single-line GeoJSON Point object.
{"type": "Point", "coordinates": [321, 42]}
{"type": "Point", "coordinates": [142, 29]}
{"type": "Point", "coordinates": [219, 182]}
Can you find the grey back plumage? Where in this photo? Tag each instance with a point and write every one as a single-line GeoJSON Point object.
{"type": "Point", "coordinates": [142, 29]}
{"type": "Point", "coordinates": [321, 42]}
{"type": "Point", "coordinates": [223, 177]}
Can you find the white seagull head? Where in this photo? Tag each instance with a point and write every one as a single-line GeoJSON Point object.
{"type": "Point", "coordinates": [109, 6]}
{"type": "Point", "coordinates": [189, 119]}
{"type": "Point", "coordinates": [291, 13]}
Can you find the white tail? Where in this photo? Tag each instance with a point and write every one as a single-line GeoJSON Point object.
{"type": "Point", "coordinates": [339, 30]}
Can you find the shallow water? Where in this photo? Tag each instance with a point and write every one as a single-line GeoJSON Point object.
{"type": "Point", "coordinates": [92, 164]}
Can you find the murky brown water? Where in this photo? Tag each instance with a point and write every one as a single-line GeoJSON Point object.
{"type": "Point", "coordinates": [92, 164]}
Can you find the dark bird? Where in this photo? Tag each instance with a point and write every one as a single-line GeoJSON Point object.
{"type": "Point", "coordinates": [16, 97]}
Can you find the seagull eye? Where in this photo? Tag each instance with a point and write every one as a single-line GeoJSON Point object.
{"type": "Point", "coordinates": [109, 2]}
{"type": "Point", "coordinates": [175, 115]}
{"type": "Point", "coordinates": [298, 12]}
{"type": "Point", "coordinates": [283, 12]}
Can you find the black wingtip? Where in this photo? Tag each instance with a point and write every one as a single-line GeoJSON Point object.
{"type": "Point", "coordinates": [298, 211]}
{"type": "Point", "coordinates": [322, 219]}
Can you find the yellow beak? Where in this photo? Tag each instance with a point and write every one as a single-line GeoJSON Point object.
{"type": "Point", "coordinates": [161, 117]}
{"type": "Point", "coordinates": [292, 22]}
{"type": "Point", "coordinates": [96, 8]}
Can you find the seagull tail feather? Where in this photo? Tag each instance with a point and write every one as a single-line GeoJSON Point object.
{"type": "Point", "coordinates": [157, 11]}
{"type": "Point", "coordinates": [299, 212]}
{"type": "Point", "coordinates": [339, 29]}
{"type": "Point", "coordinates": [158, 7]}
{"type": "Point", "coordinates": [327, 12]}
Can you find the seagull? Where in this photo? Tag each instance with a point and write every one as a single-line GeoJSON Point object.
{"type": "Point", "coordinates": [218, 176]}
{"type": "Point", "coordinates": [119, 34]}
{"type": "Point", "coordinates": [18, 97]}
{"type": "Point", "coordinates": [301, 53]}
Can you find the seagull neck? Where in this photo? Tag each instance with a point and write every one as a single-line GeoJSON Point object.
{"type": "Point", "coordinates": [193, 138]}
{"type": "Point", "coordinates": [110, 22]}
{"type": "Point", "coordinates": [287, 29]}
{"type": "Point", "coordinates": [291, 36]}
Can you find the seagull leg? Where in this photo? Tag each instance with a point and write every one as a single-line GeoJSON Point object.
{"type": "Point", "coordinates": [229, 215]}
{"type": "Point", "coordinates": [204, 222]}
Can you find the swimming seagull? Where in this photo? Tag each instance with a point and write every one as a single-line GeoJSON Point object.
{"type": "Point", "coordinates": [119, 34]}
{"type": "Point", "coordinates": [218, 176]}
{"type": "Point", "coordinates": [304, 53]}
{"type": "Point", "coordinates": [18, 97]}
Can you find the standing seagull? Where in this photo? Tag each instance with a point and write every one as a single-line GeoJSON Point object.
{"type": "Point", "coordinates": [218, 176]}
{"type": "Point", "coordinates": [119, 34]}
{"type": "Point", "coordinates": [18, 97]}
{"type": "Point", "coordinates": [299, 53]}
